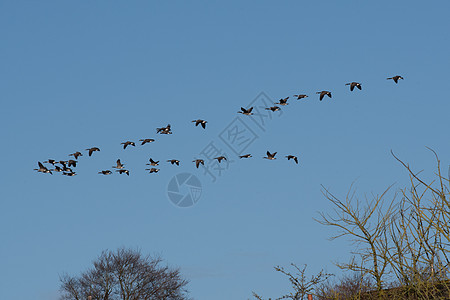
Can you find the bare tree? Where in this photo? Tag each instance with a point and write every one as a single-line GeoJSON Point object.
{"type": "Point", "coordinates": [420, 234]}
{"type": "Point", "coordinates": [127, 275]}
{"type": "Point", "coordinates": [301, 284]}
{"type": "Point", "coordinates": [366, 223]}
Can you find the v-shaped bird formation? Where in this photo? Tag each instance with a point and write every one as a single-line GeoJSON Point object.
{"type": "Point", "coordinates": [65, 166]}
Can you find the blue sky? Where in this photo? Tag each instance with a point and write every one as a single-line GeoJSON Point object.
{"type": "Point", "coordinates": [77, 74]}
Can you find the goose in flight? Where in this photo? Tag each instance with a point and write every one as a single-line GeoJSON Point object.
{"type": "Point", "coordinates": [273, 108]}
{"type": "Point", "coordinates": [282, 101]}
{"type": "Point", "coordinates": [198, 162]}
{"type": "Point", "coordinates": [395, 78]}
{"type": "Point", "coordinates": [220, 158]}
{"type": "Point", "coordinates": [118, 165]}
{"type": "Point", "coordinates": [247, 112]}
{"type": "Point", "coordinates": [106, 172]}
{"type": "Point", "coordinates": [127, 143]}
{"type": "Point", "coordinates": [72, 163]}
{"type": "Point", "coordinates": [270, 156]}
{"type": "Point", "coordinates": [164, 130]}
{"type": "Point", "coordinates": [245, 156]}
{"type": "Point", "coordinates": [323, 93]}
{"type": "Point", "coordinates": [91, 150]}
{"type": "Point", "coordinates": [174, 161]}
{"type": "Point", "coordinates": [144, 141]}
{"type": "Point", "coordinates": [300, 96]}
{"type": "Point", "coordinates": [353, 85]}
{"type": "Point", "coordinates": [153, 163]}
{"type": "Point", "coordinates": [42, 168]}
{"type": "Point", "coordinates": [153, 170]}
{"type": "Point", "coordinates": [76, 154]}
{"type": "Point", "coordinates": [50, 161]}
{"type": "Point", "coordinates": [292, 157]}
{"type": "Point", "coordinates": [202, 122]}
{"type": "Point", "coordinates": [121, 171]}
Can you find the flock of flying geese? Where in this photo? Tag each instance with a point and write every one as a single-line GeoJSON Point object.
{"type": "Point", "coordinates": [65, 166]}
